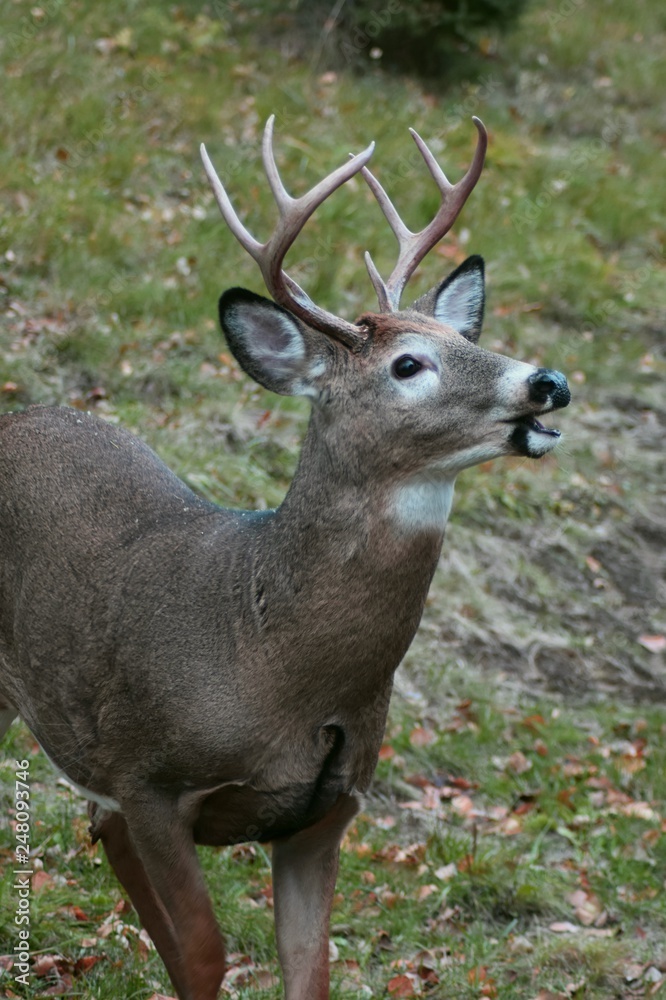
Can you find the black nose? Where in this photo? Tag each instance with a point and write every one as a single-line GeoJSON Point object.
{"type": "Point", "coordinates": [547, 386]}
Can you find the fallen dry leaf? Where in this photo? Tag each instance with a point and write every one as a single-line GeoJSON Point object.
{"type": "Point", "coordinates": [463, 783]}
{"type": "Point", "coordinates": [41, 880]}
{"type": "Point", "coordinates": [462, 804]}
{"type": "Point", "coordinates": [447, 872]}
{"type": "Point", "coordinates": [509, 827]}
{"type": "Point", "coordinates": [62, 987]}
{"type": "Point", "coordinates": [420, 737]}
{"type": "Point", "coordinates": [87, 962]}
{"type": "Point", "coordinates": [654, 643]}
{"type": "Point", "coordinates": [640, 810]}
{"type": "Point", "coordinates": [587, 906]}
{"type": "Point", "coordinates": [403, 986]}
{"type": "Point", "coordinates": [534, 722]}
{"type": "Point", "coordinates": [45, 964]}
{"type": "Point", "coordinates": [517, 763]}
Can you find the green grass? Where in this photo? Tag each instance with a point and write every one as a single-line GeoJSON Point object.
{"type": "Point", "coordinates": [112, 257]}
{"type": "Point", "coordinates": [466, 851]}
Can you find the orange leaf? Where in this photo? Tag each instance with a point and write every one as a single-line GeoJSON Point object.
{"type": "Point", "coordinates": [462, 804]}
{"type": "Point", "coordinates": [564, 796]}
{"type": "Point", "coordinates": [86, 962]}
{"type": "Point", "coordinates": [523, 808]}
{"type": "Point", "coordinates": [420, 737]}
{"type": "Point", "coordinates": [478, 974]}
{"type": "Point", "coordinates": [533, 722]}
{"type": "Point", "coordinates": [463, 783]}
{"type": "Point", "coordinates": [41, 880]}
{"type": "Point", "coordinates": [46, 964]}
{"type": "Point", "coordinates": [401, 986]}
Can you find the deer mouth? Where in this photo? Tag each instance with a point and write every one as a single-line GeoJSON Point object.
{"type": "Point", "coordinates": [531, 423]}
{"type": "Point", "coordinates": [531, 438]}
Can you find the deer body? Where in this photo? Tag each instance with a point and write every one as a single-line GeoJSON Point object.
{"type": "Point", "coordinates": [215, 676]}
{"type": "Point", "coordinates": [293, 636]}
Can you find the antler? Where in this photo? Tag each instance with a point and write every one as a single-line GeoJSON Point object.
{"type": "Point", "coordinates": [415, 246]}
{"type": "Point", "coordinates": [294, 213]}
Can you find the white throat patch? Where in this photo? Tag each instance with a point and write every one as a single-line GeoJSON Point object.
{"type": "Point", "coordinates": [424, 504]}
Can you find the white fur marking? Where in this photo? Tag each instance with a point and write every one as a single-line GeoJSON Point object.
{"type": "Point", "coordinates": [512, 388]}
{"type": "Point", "coordinates": [102, 800]}
{"type": "Point", "coordinates": [420, 386]}
{"type": "Point", "coordinates": [540, 444]}
{"type": "Point", "coordinates": [424, 504]}
{"type": "Point", "coordinates": [449, 466]}
{"type": "Point", "coordinates": [426, 381]}
{"type": "Point", "coordinates": [303, 388]}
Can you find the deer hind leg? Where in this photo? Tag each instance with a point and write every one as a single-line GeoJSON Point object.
{"type": "Point", "coordinates": [152, 853]}
{"type": "Point", "coordinates": [305, 867]}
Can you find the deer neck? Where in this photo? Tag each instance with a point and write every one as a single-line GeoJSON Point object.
{"type": "Point", "coordinates": [348, 538]}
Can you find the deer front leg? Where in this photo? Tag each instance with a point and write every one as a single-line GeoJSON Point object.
{"type": "Point", "coordinates": [152, 851]}
{"type": "Point", "coordinates": [305, 867]}
{"type": "Point", "coordinates": [111, 829]}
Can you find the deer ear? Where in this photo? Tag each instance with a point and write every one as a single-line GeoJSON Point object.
{"type": "Point", "coordinates": [270, 344]}
{"type": "Point", "coordinates": [459, 300]}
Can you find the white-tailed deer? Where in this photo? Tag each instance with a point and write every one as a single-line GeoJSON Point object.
{"type": "Point", "coordinates": [213, 676]}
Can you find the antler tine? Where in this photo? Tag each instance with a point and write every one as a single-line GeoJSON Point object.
{"type": "Point", "coordinates": [413, 247]}
{"type": "Point", "coordinates": [282, 197]}
{"type": "Point", "coordinates": [294, 213]}
{"type": "Point", "coordinates": [246, 240]}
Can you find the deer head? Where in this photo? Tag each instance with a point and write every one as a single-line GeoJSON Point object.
{"type": "Point", "coordinates": [411, 387]}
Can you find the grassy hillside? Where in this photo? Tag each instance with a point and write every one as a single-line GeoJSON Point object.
{"type": "Point", "coordinates": [514, 844]}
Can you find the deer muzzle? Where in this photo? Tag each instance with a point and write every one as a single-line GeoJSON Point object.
{"type": "Point", "coordinates": [546, 386]}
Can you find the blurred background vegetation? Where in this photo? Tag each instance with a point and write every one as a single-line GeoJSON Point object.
{"type": "Point", "coordinates": [532, 699]}
{"type": "Point", "coordinates": [436, 40]}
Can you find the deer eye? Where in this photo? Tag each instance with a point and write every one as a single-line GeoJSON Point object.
{"type": "Point", "coordinates": [406, 366]}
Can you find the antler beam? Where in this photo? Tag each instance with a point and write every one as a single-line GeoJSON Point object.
{"type": "Point", "coordinates": [293, 214]}
{"type": "Point", "coordinates": [413, 247]}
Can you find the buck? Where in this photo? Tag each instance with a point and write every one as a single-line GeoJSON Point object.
{"type": "Point", "coordinates": [211, 676]}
